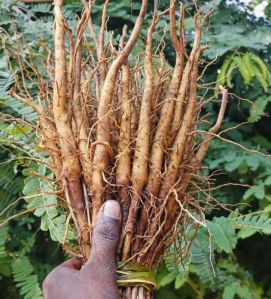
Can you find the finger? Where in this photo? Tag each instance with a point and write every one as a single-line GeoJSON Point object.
{"type": "Point", "coordinates": [106, 233]}
{"type": "Point", "coordinates": [74, 263]}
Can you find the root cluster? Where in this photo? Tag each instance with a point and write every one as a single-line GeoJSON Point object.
{"type": "Point", "coordinates": [122, 125]}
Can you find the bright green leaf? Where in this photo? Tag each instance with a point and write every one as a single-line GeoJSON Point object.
{"type": "Point", "coordinates": [222, 233]}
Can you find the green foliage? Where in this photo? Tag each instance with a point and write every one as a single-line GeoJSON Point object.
{"type": "Point", "coordinates": [18, 108]}
{"type": "Point", "coordinates": [249, 171]}
{"type": "Point", "coordinates": [222, 233]}
{"type": "Point", "coordinates": [251, 224]}
{"type": "Point", "coordinates": [250, 66]}
{"type": "Point", "coordinates": [4, 257]}
{"type": "Point", "coordinates": [234, 27]}
{"type": "Point", "coordinates": [3, 238]}
{"type": "Point", "coordinates": [252, 69]}
{"type": "Point", "coordinates": [223, 237]}
{"type": "Point", "coordinates": [235, 282]}
{"type": "Point", "coordinates": [164, 277]}
{"type": "Point", "coordinates": [10, 184]}
{"type": "Point", "coordinates": [41, 196]}
{"type": "Point", "coordinates": [25, 280]}
{"type": "Point", "coordinates": [242, 291]}
{"type": "Point", "coordinates": [202, 258]}
{"type": "Point", "coordinates": [242, 43]}
{"type": "Point", "coordinates": [18, 238]}
{"type": "Point", "coordinates": [258, 108]}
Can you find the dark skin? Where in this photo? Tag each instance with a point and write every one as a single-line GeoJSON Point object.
{"type": "Point", "coordinates": [96, 279]}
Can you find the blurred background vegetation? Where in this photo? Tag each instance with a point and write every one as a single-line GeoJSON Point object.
{"type": "Point", "coordinates": [239, 45]}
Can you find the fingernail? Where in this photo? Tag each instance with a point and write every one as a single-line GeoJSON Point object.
{"type": "Point", "coordinates": [112, 209]}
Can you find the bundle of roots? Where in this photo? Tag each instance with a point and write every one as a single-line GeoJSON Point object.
{"type": "Point", "coordinates": [124, 127]}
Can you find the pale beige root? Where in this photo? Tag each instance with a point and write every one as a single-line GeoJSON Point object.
{"type": "Point", "coordinates": [175, 159]}
{"type": "Point", "coordinates": [160, 80]}
{"type": "Point", "coordinates": [159, 142]}
{"type": "Point", "coordinates": [139, 174]}
{"type": "Point", "coordinates": [71, 170]}
{"type": "Point", "coordinates": [180, 102]}
{"type": "Point", "coordinates": [140, 163]}
{"type": "Point", "coordinates": [88, 8]}
{"type": "Point", "coordinates": [99, 43]}
{"type": "Point", "coordinates": [196, 161]}
{"type": "Point", "coordinates": [101, 157]}
{"type": "Point", "coordinates": [177, 152]}
{"type": "Point", "coordinates": [183, 173]}
{"type": "Point", "coordinates": [195, 165]}
{"type": "Point", "coordinates": [134, 122]}
{"type": "Point", "coordinates": [70, 75]}
{"type": "Point", "coordinates": [128, 293]}
{"type": "Point", "coordinates": [90, 24]}
{"type": "Point", "coordinates": [100, 50]}
{"type": "Point", "coordinates": [50, 143]}
{"type": "Point", "coordinates": [203, 148]}
{"type": "Point", "coordinates": [78, 109]}
{"type": "Point", "coordinates": [123, 170]}
{"type": "Point", "coordinates": [136, 292]}
{"type": "Point", "coordinates": [176, 155]}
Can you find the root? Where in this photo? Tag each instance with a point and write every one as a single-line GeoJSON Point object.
{"type": "Point", "coordinates": [71, 169]}
{"type": "Point", "coordinates": [100, 49]}
{"type": "Point", "coordinates": [173, 204]}
{"type": "Point", "coordinates": [119, 126]}
{"type": "Point", "coordinates": [100, 160]}
{"type": "Point", "coordinates": [123, 170]}
{"type": "Point", "coordinates": [139, 170]}
{"type": "Point", "coordinates": [80, 120]}
{"type": "Point", "coordinates": [159, 143]}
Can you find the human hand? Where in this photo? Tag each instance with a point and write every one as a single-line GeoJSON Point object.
{"type": "Point", "coordinates": [97, 278]}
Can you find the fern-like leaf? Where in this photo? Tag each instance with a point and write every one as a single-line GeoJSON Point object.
{"type": "Point", "coordinates": [236, 288]}
{"type": "Point", "coordinates": [10, 186]}
{"type": "Point", "coordinates": [40, 194]}
{"type": "Point", "coordinates": [20, 109]}
{"type": "Point", "coordinates": [232, 66]}
{"type": "Point", "coordinates": [260, 77]}
{"type": "Point", "coordinates": [3, 238]}
{"type": "Point", "coordinates": [262, 66]}
{"type": "Point", "coordinates": [223, 234]}
{"type": "Point", "coordinates": [175, 265]}
{"type": "Point", "coordinates": [257, 110]}
{"type": "Point", "coordinates": [251, 224]}
{"type": "Point", "coordinates": [245, 72]}
{"type": "Point", "coordinates": [202, 258]}
{"type": "Point", "coordinates": [26, 282]}
{"type": "Point", "coordinates": [249, 65]}
{"type": "Point", "coordinates": [221, 79]}
{"type": "Point", "coordinates": [4, 257]}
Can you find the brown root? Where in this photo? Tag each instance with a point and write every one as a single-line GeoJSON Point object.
{"type": "Point", "coordinates": [119, 126]}
{"type": "Point", "coordinates": [71, 169]}
{"type": "Point", "coordinates": [101, 159]}
{"type": "Point", "coordinates": [139, 170]}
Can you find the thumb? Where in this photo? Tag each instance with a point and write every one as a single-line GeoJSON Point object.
{"type": "Point", "coordinates": [106, 233]}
